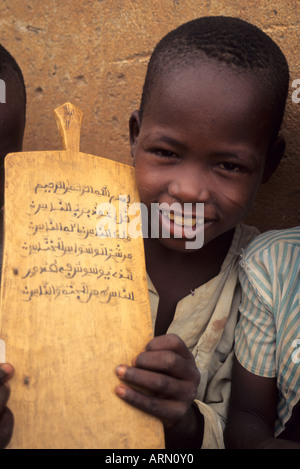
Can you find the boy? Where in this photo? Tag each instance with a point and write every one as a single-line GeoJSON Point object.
{"type": "Point", "coordinates": [206, 132]}
{"type": "Point", "coordinates": [265, 403]}
{"type": "Point", "coordinates": [12, 124]}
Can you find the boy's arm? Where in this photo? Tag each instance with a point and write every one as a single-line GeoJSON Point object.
{"type": "Point", "coordinates": [252, 413]}
{"type": "Point", "coordinates": [6, 417]}
{"type": "Point", "coordinates": [188, 433]}
{"type": "Point", "coordinates": [292, 431]}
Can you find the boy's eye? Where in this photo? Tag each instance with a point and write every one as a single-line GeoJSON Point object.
{"type": "Point", "coordinates": [232, 167]}
{"type": "Point", "coordinates": [164, 153]}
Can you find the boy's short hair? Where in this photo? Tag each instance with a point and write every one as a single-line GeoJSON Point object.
{"type": "Point", "coordinates": [8, 64]}
{"type": "Point", "coordinates": [235, 42]}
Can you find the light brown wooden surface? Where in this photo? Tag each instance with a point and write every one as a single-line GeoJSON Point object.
{"type": "Point", "coordinates": [74, 305]}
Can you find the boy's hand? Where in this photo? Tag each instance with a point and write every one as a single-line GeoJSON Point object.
{"type": "Point", "coordinates": [164, 380]}
{"type": "Point", "coordinates": [6, 417]}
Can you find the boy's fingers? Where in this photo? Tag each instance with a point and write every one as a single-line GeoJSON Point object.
{"type": "Point", "coordinates": [161, 385]}
{"type": "Point", "coordinates": [4, 395]}
{"type": "Point", "coordinates": [6, 427]}
{"type": "Point", "coordinates": [6, 372]}
{"type": "Point", "coordinates": [147, 380]}
{"type": "Point", "coordinates": [6, 416]}
{"type": "Point", "coordinates": [168, 411]}
{"type": "Point", "coordinates": [168, 362]}
{"type": "Point", "coordinates": [169, 342]}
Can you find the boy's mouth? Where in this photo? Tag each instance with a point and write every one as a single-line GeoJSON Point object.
{"type": "Point", "coordinates": [185, 224]}
{"type": "Point", "coordinates": [187, 220]}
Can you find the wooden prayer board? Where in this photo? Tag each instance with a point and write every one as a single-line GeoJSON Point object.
{"type": "Point", "coordinates": [74, 298]}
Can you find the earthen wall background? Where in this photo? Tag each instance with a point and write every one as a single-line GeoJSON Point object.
{"type": "Point", "coordinates": [94, 54]}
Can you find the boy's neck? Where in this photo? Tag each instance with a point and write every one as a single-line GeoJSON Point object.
{"type": "Point", "coordinates": [176, 274]}
{"type": "Point", "coordinates": [211, 254]}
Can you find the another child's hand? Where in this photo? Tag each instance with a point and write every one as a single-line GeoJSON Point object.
{"type": "Point", "coordinates": [6, 417]}
{"type": "Point", "coordinates": [164, 379]}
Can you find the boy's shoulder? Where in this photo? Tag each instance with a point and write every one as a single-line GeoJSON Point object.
{"type": "Point", "coordinates": [272, 240]}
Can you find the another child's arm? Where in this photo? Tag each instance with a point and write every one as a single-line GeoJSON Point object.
{"type": "Point", "coordinates": [168, 377]}
{"type": "Point", "coordinates": [292, 431]}
{"type": "Point", "coordinates": [252, 413]}
{"type": "Point", "coordinates": [6, 417]}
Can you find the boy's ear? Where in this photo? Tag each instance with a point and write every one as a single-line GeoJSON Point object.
{"type": "Point", "coordinates": [134, 130]}
{"type": "Point", "coordinates": [274, 156]}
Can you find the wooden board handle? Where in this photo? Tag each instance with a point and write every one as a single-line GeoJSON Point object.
{"type": "Point", "coordinates": [68, 118]}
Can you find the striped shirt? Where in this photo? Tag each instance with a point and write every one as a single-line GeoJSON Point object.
{"type": "Point", "coordinates": [267, 338]}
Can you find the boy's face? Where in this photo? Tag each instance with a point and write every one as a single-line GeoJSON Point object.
{"type": "Point", "coordinates": [204, 138]}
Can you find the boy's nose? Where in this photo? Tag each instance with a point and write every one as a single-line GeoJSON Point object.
{"type": "Point", "coordinates": [190, 186]}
